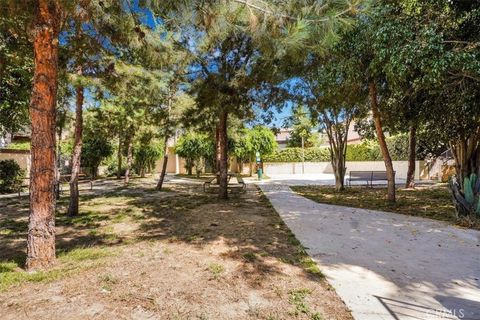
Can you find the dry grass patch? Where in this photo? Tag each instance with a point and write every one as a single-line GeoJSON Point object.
{"type": "Point", "coordinates": [184, 254]}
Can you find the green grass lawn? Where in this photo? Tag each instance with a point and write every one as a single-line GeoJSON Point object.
{"type": "Point", "coordinates": [429, 202]}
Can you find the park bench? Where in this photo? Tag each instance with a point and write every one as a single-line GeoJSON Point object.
{"type": "Point", "coordinates": [368, 176]}
{"type": "Point", "coordinates": [231, 186]}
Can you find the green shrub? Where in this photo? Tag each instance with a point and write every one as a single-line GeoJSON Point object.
{"type": "Point", "coordinates": [368, 150]}
{"type": "Point", "coordinates": [11, 176]}
{"type": "Point", "coordinates": [19, 146]}
{"type": "Point", "coordinates": [295, 155]}
{"type": "Point", "coordinates": [398, 147]}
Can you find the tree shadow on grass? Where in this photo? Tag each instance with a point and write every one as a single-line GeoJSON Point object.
{"type": "Point", "coordinates": [246, 223]}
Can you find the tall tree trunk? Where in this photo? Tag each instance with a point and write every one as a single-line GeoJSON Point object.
{"type": "Point", "coordinates": [217, 153]}
{"type": "Point", "coordinates": [41, 225]}
{"type": "Point", "coordinates": [466, 152]}
{"type": "Point", "coordinates": [412, 146]}
{"type": "Point", "coordinates": [337, 140]}
{"type": "Point", "coordinates": [77, 152]}
{"type": "Point", "coordinates": [119, 158]}
{"type": "Point", "coordinates": [129, 159]}
{"type": "Point", "coordinates": [59, 159]}
{"type": "Point", "coordinates": [223, 156]}
{"type": "Point", "coordinates": [164, 165]}
{"type": "Point", "coordinates": [382, 142]}
{"type": "Point", "coordinates": [165, 154]}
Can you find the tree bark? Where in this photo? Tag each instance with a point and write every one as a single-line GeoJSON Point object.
{"type": "Point", "coordinates": [59, 159]}
{"type": "Point", "coordinates": [119, 158]}
{"type": "Point", "coordinates": [41, 225]}
{"type": "Point", "coordinates": [337, 140]}
{"type": "Point", "coordinates": [466, 152]}
{"type": "Point", "coordinates": [129, 159]}
{"type": "Point", "coordinates": [412, 146]}
{"type": "Point", "coordinates": [77, 152]}
{"type": "Point", "coordinates": [164, 165]}
{"type": "Point", "coordinates": [165, 154]}
{"type": "Point", "coordinates": [217, 153]}
{"type": "Point", "coordinates": [223, 156]}
{"type": "Point", "coordinates": [382, 142]}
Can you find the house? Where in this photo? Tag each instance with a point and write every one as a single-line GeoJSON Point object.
{"type": "Point", "coordinates": [282, 137]}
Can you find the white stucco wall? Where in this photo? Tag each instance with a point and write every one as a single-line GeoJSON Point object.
{"type": "Point", "coordinates": [325, 167]}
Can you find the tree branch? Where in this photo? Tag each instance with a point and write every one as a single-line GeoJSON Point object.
{"type": "Point", "coordinates": [289, 17]}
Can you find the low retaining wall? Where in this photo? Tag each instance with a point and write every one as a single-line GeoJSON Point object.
{"type": "Point", "coordinates": [272, 168]}
{"type": "Point", "coordinates": [22, 157]}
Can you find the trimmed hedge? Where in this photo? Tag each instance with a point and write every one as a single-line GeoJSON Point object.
{"type": "Point", "coordinates": [295, 155]}
{"type": "Point", "coordinates": [365, 151]}
{"type": "Point", "coordinates": [18, 146]}
{"type": "Point", "coordinates": [368, 150]}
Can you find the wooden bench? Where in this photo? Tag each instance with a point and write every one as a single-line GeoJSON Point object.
{"type": "Point", "coordinates": [368, 176]}
{"type": "Point", "coordinates": [241, 182]}
{"type": "Point", "coordinates": [240, 185]}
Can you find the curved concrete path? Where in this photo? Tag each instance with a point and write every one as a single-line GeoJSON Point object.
{"type": "Point", "coordinates": [385, 265]}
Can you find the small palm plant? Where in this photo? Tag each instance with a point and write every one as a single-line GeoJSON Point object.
{"type": "Point", "coordinates": [466, 201]}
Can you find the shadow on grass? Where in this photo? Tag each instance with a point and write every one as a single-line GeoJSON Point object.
{"type": "Point", "coordinates": [246, 223]}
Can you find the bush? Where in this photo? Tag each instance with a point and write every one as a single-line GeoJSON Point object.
{"type": "Point", "coordinates": [398, 147]}
{"type": "Point", "coordinates": [11, 176]}
{"type": "Point", "coordinates": [295, 155]}
{"type": "Point", "coordinates": [19, 146]}
{"type": "Point", "coordinates": [366, 151]}
{"type": "Point", "coordinates": [369, 150]}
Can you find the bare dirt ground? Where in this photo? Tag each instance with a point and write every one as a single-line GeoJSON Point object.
{"type": "Point", "coordinates": [134, 253]}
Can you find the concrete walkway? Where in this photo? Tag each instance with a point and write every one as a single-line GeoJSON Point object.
{"type": "Point", "coordinates": [385, 265]}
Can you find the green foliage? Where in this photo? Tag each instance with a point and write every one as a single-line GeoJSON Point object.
{"type": "Point", "coordinates": [96, 147]}
{"type": "Point", "coordinates": [249, 141]}
{"type": "Point", "coordinates": [262, 140]}
{"type": "Point", "coordinates": [368, 150]}
{"type": "Point", "coordinates": [19, 146]}
{"type": "Point", "coordinates": [16, 72]}
{"type": "Point", "coordinates": [147, 151]}
{"type": "Point", "coordinates": [194, 148]}
{"type": "Point", "coordinates": [295, 155]}
{"type": "Point", "coordinates": [302, 127]}
{"type": "Point", "coordinates": [11, 176]}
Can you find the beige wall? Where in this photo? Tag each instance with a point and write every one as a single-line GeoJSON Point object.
{"type": "Point", "coordinates": [400, 167]}
{"type": "Point", "coordinates": [21, 157]}
{"type": "Point", "coordinates": [172, 164]}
